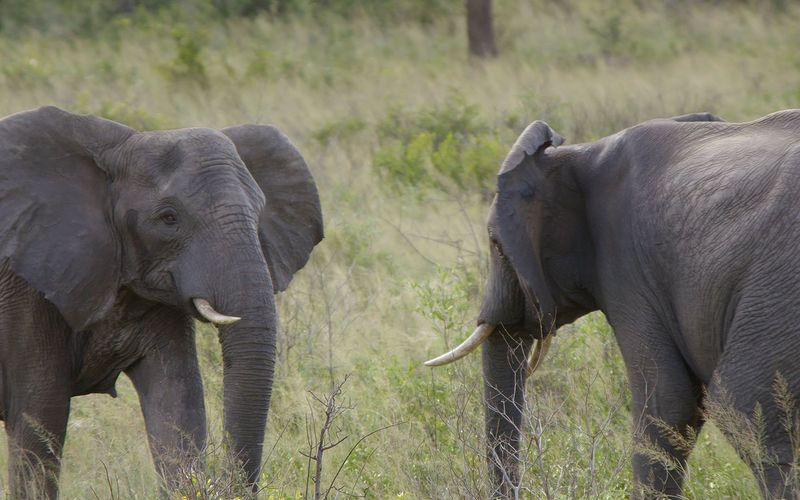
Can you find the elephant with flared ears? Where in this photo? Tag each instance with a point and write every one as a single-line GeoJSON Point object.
{"type": "Point", "coordinates": [112, 242]}
{"type": "Point", "coordinates": [685, 233]}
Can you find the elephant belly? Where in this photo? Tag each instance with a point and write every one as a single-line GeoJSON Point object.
{"type": "Point", "coordinates": [98, 385]}
{"type": "Point", "coordinates": [101, 355]}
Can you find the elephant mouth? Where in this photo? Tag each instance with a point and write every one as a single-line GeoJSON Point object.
{"type": "Point", "coordinates": [479, 336]}
{"type": "Point", "coordinates": [208, 313]}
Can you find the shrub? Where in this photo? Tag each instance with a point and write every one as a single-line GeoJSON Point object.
{"type": "Point", "coordinates": [20, 73]}
{"type": "Point", "coordinates": [131, 115]}
{"type": "Point", "coordinates": [89, 17]}
{"type": "Point", "coordinates": [448, 148]}
{"type": "Point", "coordinates": [188, 63]}
{"type": "Point", "coordinates": [340, 130]}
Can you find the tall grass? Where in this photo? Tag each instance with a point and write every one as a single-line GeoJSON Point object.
{"type": "Point", "coordinates": [399, 274]}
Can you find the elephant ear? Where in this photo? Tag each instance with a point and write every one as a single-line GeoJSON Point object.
{"type": "Point", "coordinates": [55, 230]}
{"type": "Point", "coordinates": [697, 117]}
{"type": "Point", "coordinates": [521, 211]}
{"type": "Point", "coordinates": [538, 135]}
{"type": "Point", "coordinates": [291, 223]}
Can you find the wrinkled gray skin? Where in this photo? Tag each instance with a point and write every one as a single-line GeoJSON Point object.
{"type": "Point", "coordinates": [685, 233]}
{"type": "Point", "coordinates": [106, 236]}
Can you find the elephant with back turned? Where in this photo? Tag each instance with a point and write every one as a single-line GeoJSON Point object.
{"type": "Point", "coordinates": [112, 242]}
{"type": "Point", "coordinates": [685, 233]}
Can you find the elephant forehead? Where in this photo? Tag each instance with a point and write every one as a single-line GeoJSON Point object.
{"type": "Point", "coordinates": [203, 144]}
{"type": "Point", "coordinates": [198, 150]}
{"type": "Point", "coordinates": [175, 159]}
{"type": "Point", "coordinates": [209, 189]}
{"type": "Point", "coordinates": [188, 148]}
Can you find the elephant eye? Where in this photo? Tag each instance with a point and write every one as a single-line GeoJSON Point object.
{"type": "Point", "coordinates": [169, 217]}
{"type": "Point", "coordinates": [498, 249]}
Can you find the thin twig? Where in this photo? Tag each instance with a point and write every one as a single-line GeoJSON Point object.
{"type": "Point", "coordinates": [410, 243]}
{"type": "Point", "coordinates": [332, 411]}
{"type": "Point", "coordinates": [450, 243]}
{"type": "Point", "coordinates": [353, 448]}
{"type": "Point", "coordinates": [360, 473]}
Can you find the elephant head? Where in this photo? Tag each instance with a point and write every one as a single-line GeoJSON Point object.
{"type": "Point", "coordinates": [209, 223]}
{"type": "Point", "coordinates": [542, 272]}
{"type": "Point", "coordinates": [539, 272]}
{"type": "Point", "coordinates": [535, 227]}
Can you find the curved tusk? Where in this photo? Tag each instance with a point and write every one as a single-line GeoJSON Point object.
{"type": "Point", "coordinates": [208, 312]}
{"type": "Point", "coordinates": [536, 357]}
{"type": "Point", "coordinates": [473, 341]}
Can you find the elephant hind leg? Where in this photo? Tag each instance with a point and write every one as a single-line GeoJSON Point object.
{"type": "Point", "coordinates": [754, 393]}
{"type": "Point", "coordinates": [779, 481]}
{"type": "Point", "coordinates": [764, 436]}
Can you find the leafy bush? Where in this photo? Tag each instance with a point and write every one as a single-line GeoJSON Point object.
{"type": "Point", "coordinates": [265, 64]}
{"type": "Point", "coordinates": [19, 73]}
{"type": "Point", "coordinates": [448, 148]}
{"type": "Point", "coordinates": [89, 17]}
{"type": "Point", "coordinates": [445, 299]}
{"type": "Point", "coordinates": [132, 116]}
{"type": "Point", "coordinates": [188, 63]}
{"type": "Point", "coordinates": [340, 130]}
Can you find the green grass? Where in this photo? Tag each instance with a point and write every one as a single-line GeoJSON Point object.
{"type": "Point", "coordinates": [398, 277]}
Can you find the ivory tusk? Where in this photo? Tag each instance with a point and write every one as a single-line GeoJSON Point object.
{"type": "Point", "coordinates": [473, 341]}
{"type": "Point", "coordinates": [208, 312]}
{"type": "Point", "coordinates": [539, 351]}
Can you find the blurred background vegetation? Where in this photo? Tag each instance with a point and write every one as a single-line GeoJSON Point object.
{"type": "Point", "coordinates": [404, 132]}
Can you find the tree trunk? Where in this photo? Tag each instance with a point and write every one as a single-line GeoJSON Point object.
{"type": "Point", "coordinates": [480, 32]}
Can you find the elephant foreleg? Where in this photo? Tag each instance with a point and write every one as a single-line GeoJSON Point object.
{"type": "Point", "coordinates": [663, 440]}
{"type": "Point", "coordinates": [36, 433]}
{"type": "Point", "coordinates": [666, 410]}
{"type": "Point", "coordinates": [170, 390]}
{"type": "Point", "coordinates": [504, 371]}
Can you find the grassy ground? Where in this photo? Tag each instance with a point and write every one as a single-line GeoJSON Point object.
{"type": "Point", "coordinates": [398, 277]}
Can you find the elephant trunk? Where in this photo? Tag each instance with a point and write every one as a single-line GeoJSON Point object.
{"type": "Point", "coordinates": [248, 353]}
{"type": "Point", "coordinates": [504, 370]}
